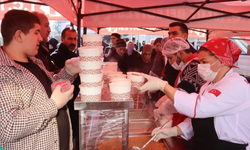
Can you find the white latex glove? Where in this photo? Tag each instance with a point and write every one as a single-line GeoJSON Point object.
{"type": "Point", "coordinates": [164, 133]}
{"type": "Point", "coordinates": [61, 98]}
{"type": "Point", "coordinates": [162, 118]}
{"type": "Point", "coordinates": [72, 67]}
{"type": "Point", "coordinates": [161, 100]}
{"type": "Point", "coordinates": [153, 84]}
{"type": "Point", "coordinates": [167, 107]}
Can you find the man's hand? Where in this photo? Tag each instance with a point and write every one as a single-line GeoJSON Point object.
{"type": "Point", "coordinates": [153, 84]}
{"type": "Point", "coordinates": [72, 67]}
{"type": "Point", "coordinates": [61, 98]}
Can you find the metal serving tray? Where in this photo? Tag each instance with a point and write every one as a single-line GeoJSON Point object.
{"type": "Point", "coordinates": [140, 126]}
{"type": "Point", "coordinates": [134, 114]}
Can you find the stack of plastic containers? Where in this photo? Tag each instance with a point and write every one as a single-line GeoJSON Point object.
{"type": "Point", "coordinates": [91, 72]}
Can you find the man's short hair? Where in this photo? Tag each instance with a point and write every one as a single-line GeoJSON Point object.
{"type": "Point", "coordinates": [63, 34]}
{"type": "Point", "coordinates": [17, 20]}
{"type": "Point", "coordinates": [116, 35]}
{"type": "Point", "coordinates": [183, 27]}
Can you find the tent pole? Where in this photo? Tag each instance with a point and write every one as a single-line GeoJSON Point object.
{"type": "Point", "coordinates": [98, 30]}
{"type": "Point", "coordinates": [85, 30]}
{"type": "Point", "coordinates": [207, 35]}
{"type": "Point", "coordinates": [79, 23]}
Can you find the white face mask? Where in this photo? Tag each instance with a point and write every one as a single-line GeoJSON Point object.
{"type": "Point", "coordinates": [176, 66]}
{"type": "Point", "coordinates": [206, 73]}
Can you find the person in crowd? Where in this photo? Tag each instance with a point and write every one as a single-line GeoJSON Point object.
{"type": "Point", "coordinates": [59, 57]}
{"type": "Point", "coordinates": [143, 63]}
{"type": "Point", "coordinates": [43, 52]}
{"type": "Point", "coordinates": [157, 48]}
{"type": "Point", "coordinates": [66, 48]}
{"type": "Point", "coordinates": [143, 43]}
{"type": "Point", "coordinates": [119, 52]}
{"type": "Point", "coordinates": [132, 53]}
{"type": "Point", "coordinates": [157, 70]}
{"type": "Point", "coordinates": [152, 43]}
{"type": "Point", "coordinates": [220, 111]}
{"type": "Point", "coordinates": [135, 44]}
{"type": "Point", "coordinates": [158, 59]}
{"type": "Point", "coordinates": [120, 55]}
{"type": "Point", "coordinates": [53, 45]}
{"type": "Point", "coordinates": [104, 44]}
{"type": "Point", "coordinates": [32, 115]}
{"type": "Point", "coordinates": [113, 38]}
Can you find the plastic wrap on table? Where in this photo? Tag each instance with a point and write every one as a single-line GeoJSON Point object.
{"type": "Point", "coordinates": [99, 125]}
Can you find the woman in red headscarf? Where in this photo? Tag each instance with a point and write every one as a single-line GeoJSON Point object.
{"type": "Point", "coordinates": [220, 112]}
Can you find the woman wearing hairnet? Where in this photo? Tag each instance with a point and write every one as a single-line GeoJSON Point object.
{"type": "Point", "coordinates": [220, 111]}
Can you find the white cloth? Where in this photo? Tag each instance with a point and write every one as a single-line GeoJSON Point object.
{"type": "Point", "coordinates": [228, 101]}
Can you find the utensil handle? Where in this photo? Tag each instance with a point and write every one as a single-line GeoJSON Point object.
{"type": "Point", "coordinates": [169, 119]}
{"type": "Point", "coordinates": [148, 141]}
{"type": "Point", "coordinates": [164, 125]}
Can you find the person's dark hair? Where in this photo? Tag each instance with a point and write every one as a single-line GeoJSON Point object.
{"type": "Point", "coordinates": [17, 20]}
{"type": "Point", "coordinates": [63, 34]}
{"type": "Point", "coordinates": [158, 40]}
{"type": "Point", "coordinates": [120, 43]}
{"type": "Point", "coordinates": [116, 35]}
{"type": "Point", "coordinates": [187, 51]}
{"type": "Point", "coordinates": [206, 50]}
{"type": "Point", "coordinates": [183, 27]}
{"type": "Point", "coordinates": [53, 42]}
{"type": "Point", "coordinates": [190, 50]}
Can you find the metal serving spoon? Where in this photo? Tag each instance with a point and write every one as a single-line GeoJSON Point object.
{"type": "Point", "coordinates": [137, 148]}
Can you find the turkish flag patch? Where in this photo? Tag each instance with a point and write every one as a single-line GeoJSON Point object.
{"type": "Point", "coordinates": [215, 92]}
{"type": "Point", "coordinates": [246, 81]}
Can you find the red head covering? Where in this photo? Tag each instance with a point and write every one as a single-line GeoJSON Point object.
{"type": "Point", "coordinates": [224, 49]}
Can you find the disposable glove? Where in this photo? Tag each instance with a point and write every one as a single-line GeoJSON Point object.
{"type": "Point", "coordinates": [72, 66]}
{"type": "Point", "coordinates": [61, 98]}
{"type": "Point", "coordinates": [153, 84]}
{"type": "Point", "coordinates": [164, 133]}
{"type": "Point", "coordinates": [162, 118]}
{"type": "Point", "coordinates": [161, 100]}
{"type": "Point", "coordinates": [167, 107]}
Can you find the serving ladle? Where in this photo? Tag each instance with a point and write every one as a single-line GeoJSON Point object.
{"type": "Point", "coordinates": [164, 125]}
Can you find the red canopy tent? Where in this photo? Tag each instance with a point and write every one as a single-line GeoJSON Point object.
{"type": "Point", "coordinates": [232, 15]}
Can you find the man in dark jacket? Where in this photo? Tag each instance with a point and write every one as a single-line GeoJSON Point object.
{"type": "Point", "coordinates": [65, 52]}
{"type": "Point", "coordinates": [43, 51]}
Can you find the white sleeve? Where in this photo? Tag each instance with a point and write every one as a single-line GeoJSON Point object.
{"type": "Point", "coordinates": [187, 129]}
{"type": "Point", "coordinates": [227, 98]}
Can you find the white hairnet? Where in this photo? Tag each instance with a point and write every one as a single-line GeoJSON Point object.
{"type": "Point", "coordinates": [173, 45]}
